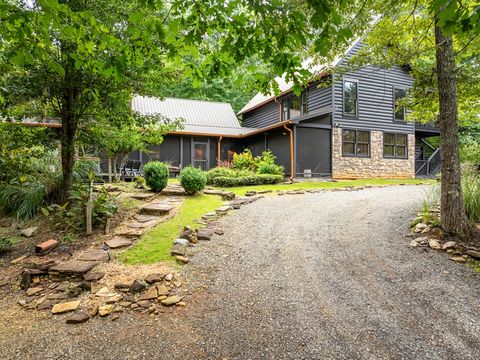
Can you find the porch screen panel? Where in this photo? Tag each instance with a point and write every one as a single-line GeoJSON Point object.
{"type": "Point", "coordinates": [313, 151]}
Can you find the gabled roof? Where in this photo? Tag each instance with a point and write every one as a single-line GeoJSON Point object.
{"type": "Point", "coordinates": [317, 70]}
{"type": "Point", "coordinates": [196, 113]}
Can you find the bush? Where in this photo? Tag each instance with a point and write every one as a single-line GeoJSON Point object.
{"type": "Point", "coordinates": [273, 169]}
{"type": "Point", "coordinates": [471, 194]}
{"type": "Point", "coordinates": [156, 175]}
{"type": "Point", "coordinates": [244, 161]}
{"type": "Point", "coordinates": [192, 179]}
{"type": "Point", "coordinates": [255, 179]}
{"type": "Point", "coordinates": [140, 182]}
{"type": "Point", "coordinates": [219, 171]}
{"type": "Point", "coordinates": [5, 244]}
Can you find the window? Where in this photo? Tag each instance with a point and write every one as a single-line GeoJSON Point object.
{"type": "Point", "coordinates": [356, 143]}
{"type": "Point", "coordinates": [395, 145]}
{"type": "Point", "coordinates": [294, 106]}
{"type": "Point", "coordinates": [398, 107]}
{"type": "Point", "coordinates": [350, 98]}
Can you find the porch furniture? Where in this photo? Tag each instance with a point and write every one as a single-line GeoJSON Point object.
{"type": "Point", "coordinates": [174, 171]}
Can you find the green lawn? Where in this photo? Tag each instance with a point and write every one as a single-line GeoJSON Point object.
{"type": "Point", "coordinates": [155, 245]}
{"type": "Point", "coordinates": [327, 184]}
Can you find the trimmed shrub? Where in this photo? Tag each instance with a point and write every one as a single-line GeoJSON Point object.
{"type": "Point", "coordinates": [156, 175]}
{"type": "Point", "coordinates": [259, 179]}
{"type": "Point", "coordinates": [265, 168]}
{"type": "Point", "coordinates": [192, 179]}
{"type": "Point", "coordinates": [219, 171]}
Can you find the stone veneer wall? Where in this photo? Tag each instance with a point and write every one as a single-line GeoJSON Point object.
{"type": "Point", "coordinates": [374, 166]}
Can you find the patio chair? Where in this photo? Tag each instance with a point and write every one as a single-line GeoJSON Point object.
{"type": "Point", "coordinates": [137, 164]}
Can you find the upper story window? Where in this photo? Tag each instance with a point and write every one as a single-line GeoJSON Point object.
{"type": "Point", "coordinates": [395, 145]}
{"type": "Point", "coordinates": [350, 98]}
{"type": "Point", "coordinates": [355, 143]}
{"type": "Point", "coordinates": [294, 106]}
{"type": "Point", "coordinates": [398, 107]}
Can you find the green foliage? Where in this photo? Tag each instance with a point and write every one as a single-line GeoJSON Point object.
{"type": "Point", "coordinates": [156, 175]}
{"type": "Point", "coordinates": [6, 244]}
{"type": "Point", "coordinates": [471, 194]}
{"type": "Point", "coordinates": [140, 182]}
{"type": "Point", "coordinates": [470, 144]}
{"type": "Point", "coordinates": [22, 200]}
{"type": "Point", "coordinates": [254, 179]}
{"type": "Point", "coordinates": [219, 171]}
{"type": "Point", "coordinates": [270, 169]}
{"type": "Point", "coordinates": [84, 168]}
{"type": "Point", "coordinates": [244, 161]}
{"type": "Point", "coordinates": [192, 179]}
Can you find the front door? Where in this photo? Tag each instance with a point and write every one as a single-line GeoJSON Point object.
{"type": "Point", "coordinates": [200, 155]}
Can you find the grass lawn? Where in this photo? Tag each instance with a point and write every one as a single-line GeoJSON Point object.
{"type": "Point", "coordinates": [240, 190]}
{"type": "Point", "coordinates": [156, 244]}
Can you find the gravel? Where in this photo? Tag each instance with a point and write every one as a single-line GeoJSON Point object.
{"type": "Point", "coordinates": [314, 276]}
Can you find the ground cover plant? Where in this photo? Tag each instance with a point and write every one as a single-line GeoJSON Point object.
{"type": "Point", "coordinates": [155, 245]}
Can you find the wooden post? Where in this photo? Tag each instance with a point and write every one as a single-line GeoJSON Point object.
{"type": "Point", "coordinates": [109, 169]}
{"type": "Point", "coordinates": [89, 211]}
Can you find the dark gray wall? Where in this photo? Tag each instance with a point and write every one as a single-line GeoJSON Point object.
{"type": "Point", "coordinates": [256, 144]}
{"type": "Point", "coordinates": [375, 97]}
{"type": "Point", "coordinates": [279, 145]}
{"type": "Point", "coordinates": [313, 151]}
{"type": "Point", "coordinates": [263, 116]}
{"type": "Point", "coordinates": [318, 97]}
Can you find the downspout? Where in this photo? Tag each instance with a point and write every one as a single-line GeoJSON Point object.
{"type": "Point", "coordinates": [292, 173]}
{"type": "Point", "coordinates": [218, 150]}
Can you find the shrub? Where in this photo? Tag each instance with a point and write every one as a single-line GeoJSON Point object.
{"type": "Point", "coordinates": [5, 244]}
{"type": "Point", "coordinates": [156, 175]}
{"type": "Point", "coordinates": [471, 194]}
{"type": "Point", "coordinates": [244, 161]}
{"type": "Point", "coordinates": [273, 169]}
{"type": "Point", "coordinates": [255, 179]}
{"type": "Point", "coordinates": [219, 171]}
{"type": "Point", "coordinates": [140, 182]}
{"type": "Point", "coordinates": [192, 179]}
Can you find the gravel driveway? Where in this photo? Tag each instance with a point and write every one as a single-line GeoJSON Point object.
{"type": "Point", "coordinates": [315, 276]}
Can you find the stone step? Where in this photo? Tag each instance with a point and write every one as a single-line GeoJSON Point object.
{"type": "Point", "coordinates": [118, 242]}
{"type": "Point", "coordinates": [141, 225]}
{"type": "Point", "coordinates": [73, 267]}
{"type": "Point", "coordinates": [94, 255]}
{"type": "Point", "coordinates": [173, 190]}
{"type": "Point", "coordinates": [130, 232]}
{"type": "Point", "coordinates": [143, 196]}
{"type": "Point", "coordinates": [146, 218]}
{"type": "Point", "coordinates": [156, 209]}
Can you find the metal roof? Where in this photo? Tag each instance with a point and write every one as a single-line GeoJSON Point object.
{"type": "Point", "coordinates": [207, 114]}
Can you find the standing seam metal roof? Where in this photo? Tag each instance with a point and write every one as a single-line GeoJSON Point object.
{"type": "Point", "coordinates": [194, 112]}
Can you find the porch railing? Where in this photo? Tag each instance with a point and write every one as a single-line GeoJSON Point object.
{"type": "Point", "coordinates": [429, 167]}
{"type": "Point", "coordinates": [201, 164]}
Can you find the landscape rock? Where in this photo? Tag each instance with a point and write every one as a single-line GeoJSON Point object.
{"type": "Point", "coordinates": [420, 227]}
{"type": "Point", "coordinates": [181, 242]}
{"type": "Point", "coordinates": [182, 259]}
{"type": "Point", "coordinates": [459, 259]}
{"type": "Point", "coordinates": [146, 218]}
{"type": "Point", "coordinates": [171, 300]}
{"type": "Point", "coordinates": [448, 245]}
{"type": "Point", "coordinates": [6, 222]}
{"type": "Point", "coordinates": [473, 253]}
{"type": "Point", "coordinates": [153, 278]}
{"type": "Point", "coordinates": [106, 310]}
{"type": "Point", "coordinates": [95, 255]}
{"type": "Point", "coordinates": [204, 234]}
{"type": "Point", "coordinates": [114, 299]}
{"type": "Point", "coordinates": [118, 242]}
{"type": "Point", "coordinates": [93, 311]}
{"type": "Point", "coordinates": [138, 286]}
{"type": "Point", "coordinates": [65, 307]}
{"type": "Point", "coordinates": [18, 260]}
{"type": "Point", "coordinates": [434, 244]}
{"type": "Point", "coordinates": [26, 279]}
{"type": "Point", "coordinates": [34, 291]}
{"type": "Point", "coordinates": [93, 276]}
{"type": "Point", "coordinates": [156, 209]}
{"type": "Point", "coordinates": [150, 294]}
{"type": "Point", "coordinates": [186, 233]}
{"type": "Point", "coordinates": [142, 196]}
{"type": "Point", "coordinates": [162, 290]}
{"type": "Point", "coordinates": [78, 318]}
{"type": "Point", "coordinates": [218, 231]}
{"type": "Point", "coordinates": [29, 232]}
{"type": "Point", "coordinates": [74, 267]}
{"type": "Point", "coordinates": [144, 303]}
{"type": "Point", "coordinates": [223, 209]}
{"type": "Point", "coordinates": [250, 193]}
{"type": "Point", "coordinates": [169, 277]}
{"type": "Point", "coordinates": [178, 250]}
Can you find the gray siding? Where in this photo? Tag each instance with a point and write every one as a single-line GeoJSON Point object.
{"type": "Point", "coordinates": [313, 151]}
{"type": "Point", "coordinates": [263, 116]}
{"type": "Point", "coordinates": [375, 97]}
{"type": "Point", "coordinates": [319, 97]}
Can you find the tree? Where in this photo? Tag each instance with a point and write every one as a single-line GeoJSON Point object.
{"type": "Point", "coordinates": [68, 55]}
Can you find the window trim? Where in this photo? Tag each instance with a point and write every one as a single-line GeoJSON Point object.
{"type": "Point", "coordinates": [395, 146]}
{"type": "Point", "coordinates": [394, 88]}
{"type": "Point", "coordinates": [346, 114]}
{"type": "Point", "coordinates": [369, 143]}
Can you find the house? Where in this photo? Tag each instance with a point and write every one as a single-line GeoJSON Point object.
{"type": "Point", "coordinates": [349, 126]}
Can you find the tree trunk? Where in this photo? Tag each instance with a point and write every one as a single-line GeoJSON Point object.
{"type": "Point", "coordinates": [68, 156]}
{"type": "Point", "coordinates": [453, 217]}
